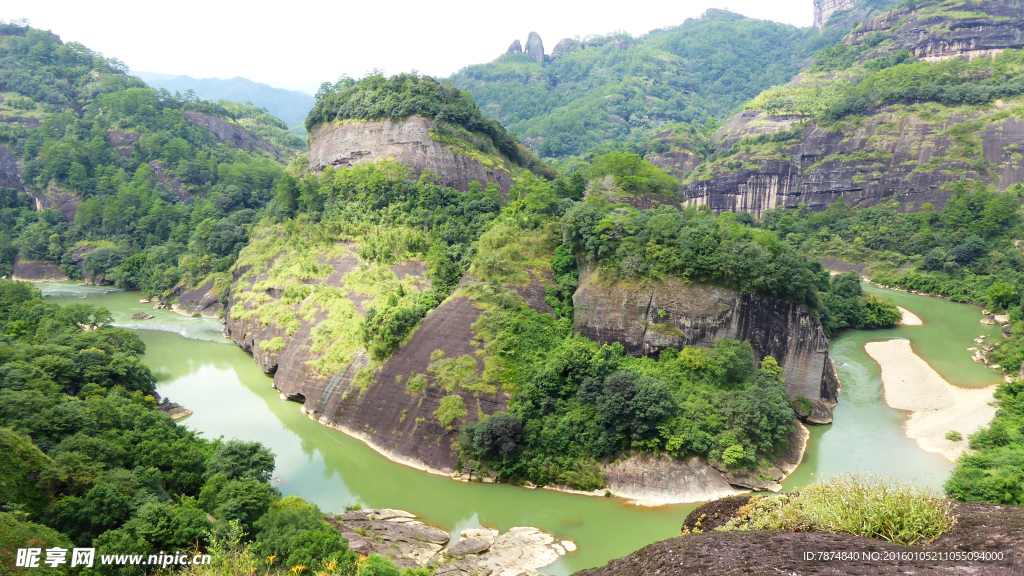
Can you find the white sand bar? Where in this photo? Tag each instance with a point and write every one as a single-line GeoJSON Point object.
{"type": "Point", "coordinates": [936, 406]}
{"type": "Point", "coordinates": [909, 318]}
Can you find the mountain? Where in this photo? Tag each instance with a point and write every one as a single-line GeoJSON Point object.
{"type": "Point", "coordinates": [107, 179]}
{"type": "Point", "coordinates": [288, 105]}
{"type": "Point", "coordinates": [618, 89]}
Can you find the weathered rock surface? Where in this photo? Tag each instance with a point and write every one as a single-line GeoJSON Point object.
{"type": "Point", "coordinates": [666, 480]}
{"type": "Point", "coordinates": [980, 528]}
{"type": "Point", "coordinates": [408, 542]}
{"type": "Point", "coordinates": [978, 28]}
{"type": "Point", "coordinates": [514, 48]}
{"type": "Point", "coordinates": [535, 47]}
{"type": "Point", "coordinates": [674, 314]}
{"type": "Point", "coordinates": [892, 153]}
{"type": "Point", "coordinates": [564, 46]}
{"type": "Point", "coordinates": [123, 142]}
{"type": "Point", "coordinates": [63, 201]}
{"type": "Point", "coordinates": [202, 300]}
{"type": "Point", "coordinates": [142, 316]}
{"type": "Point", "coordinates": [174, 410]}
{"type": "Point", "coordinates": [227, 131]}
{"type": "Point", "coordinates": [37, 271]}
{"type": "Point", "coordinates": [407, 141]}
{"type": "Point", "coordinates": [10, 174]}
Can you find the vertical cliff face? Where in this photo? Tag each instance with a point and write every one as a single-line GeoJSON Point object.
{"type": "Point", "coordinates": [825, 9]}
{"type": "Point", "coordinates": [673, 314]}
{"type": "Point", "coordinates": [933, 31]}
{"type": "Point", "coordinates": [782, 151]}
{"type": "Point", "coordinates": [409, 142]}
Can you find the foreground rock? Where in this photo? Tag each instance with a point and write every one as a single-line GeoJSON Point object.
{"type": "Point", "coordinates": [175, 410]}
{"type": "Point", "coordinates": [980, 528]}
{"type": "Point", "coordinates": [407, 542]}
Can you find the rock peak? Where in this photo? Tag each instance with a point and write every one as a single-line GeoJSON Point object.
{"type": "Point", "coordinates": [514, 48]}
{"type": "Point", "coordinates": [535, 47]}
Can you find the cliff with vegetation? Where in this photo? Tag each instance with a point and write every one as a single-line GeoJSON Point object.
{"type": "Point", "coordinates": [911, 102]}
{"type": "Point", "coordinates": [649, 318]}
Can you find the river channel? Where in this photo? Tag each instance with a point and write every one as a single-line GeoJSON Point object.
{"type": "Point", "coordinates": [200, 369]}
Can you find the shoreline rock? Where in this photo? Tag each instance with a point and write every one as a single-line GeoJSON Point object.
{"type": "Point", "coordinates": [410, 543]}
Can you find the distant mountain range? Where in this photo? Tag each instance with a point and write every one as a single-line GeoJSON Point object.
{"type": "Point", "coordinates": [288, 105]}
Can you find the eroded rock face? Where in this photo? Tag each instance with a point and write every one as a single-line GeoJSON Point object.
{"type": "Point", "coordinates": [984, 28]}
{"type": "Point", "coordinates": [564, 46]}
{"type": "Point", "coordinates": [201, 300]}
{"type": "Point", "coordinates": [535, 47]}
{"type": "Point", "coordinates": [231, 133]}
{"type": "Point", "coordinates": [674, 314]}
{"type": "Point", "coordinates": [407, 141]}
{"type": "Point", "coordinates": [409, 543]}
{"type": "Point", "coordinates": [647, 478]}
{"type": "Point", "coordinates": [10, 175]}
{"type": "Point", "coordinates": [37, 271]}
{"type": "Point", "coordinates": [514, 48]}
{"type": "Point", "coordinates": [889, 156]}
{"type": "Point", "coordinates": [63, 201]}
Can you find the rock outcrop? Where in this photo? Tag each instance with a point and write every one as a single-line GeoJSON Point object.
{"type": "Point", "coordinates": [514, 48]}
{"type": "Point", "coordinates": [973, 29]}
{"type": "Point", "coordinates": [380, 410]}
{"type": "Point", "coordinates": [535, 47]}
{"type": "Point", "coordinates": [229, 132]}
{"type": "Point", "coordinates": [980, 529]}
{"type": "Point", "coordinates": [674, 313]}
{"type": "Point", "coordinates": [63, 201]}
{"type": "Point", "coordinates": [204, 301]}
{"type": "Point", "coordinates": [10, 174]}
{"type": "Point", "coordinates": [407, 141]}
{"type": "Point", "coordinates": [564, 46]}
{"type": "Point", "coordinates": [894, 152]}
{"type": "Point", "coordinates": [37, 271]}
{"type": "Point", "coordinates": [409, 543]}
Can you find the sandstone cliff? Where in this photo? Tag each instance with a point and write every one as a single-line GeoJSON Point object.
{"type": "Point", "coordinates": [674, 314]}
{"type": "Point", "coordinates": [780, 152]}
{"type": "Point", "coordinates": [370, 401]}
{"type": "Point", "coordinates": [407, 141]}
{"type": "Point", "coordinates": [230, 132]}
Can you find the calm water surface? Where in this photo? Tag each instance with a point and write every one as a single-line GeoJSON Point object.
{"type": "Point", "coordinates": [230, 397]}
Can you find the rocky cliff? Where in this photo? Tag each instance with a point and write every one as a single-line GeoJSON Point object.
{"type": "Point", "coordinates": [941, 30]}
{"type": "Point", "coordinates": [370, 400]}
{"type": "Point", "coordinates": [673, 314]}
{"type": "Point", "coordinates": [781, 152]}
{"type": "Point", "coordinates": [407, 141]}
{"type": "Point", "coordinates": [230, 132]}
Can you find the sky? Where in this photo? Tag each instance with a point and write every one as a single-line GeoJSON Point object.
{"type": "Point", "coordinates": [300, 43]}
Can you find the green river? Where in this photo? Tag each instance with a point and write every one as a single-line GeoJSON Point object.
{"type": "Point", "coordinates": [230, 397]}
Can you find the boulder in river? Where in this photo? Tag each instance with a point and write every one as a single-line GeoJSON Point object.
{"type": "Point", "coordinates": [142, 316]}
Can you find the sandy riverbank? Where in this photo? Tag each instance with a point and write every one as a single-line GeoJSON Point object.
{"type": "Point", "coordinates": [936, 407]}
{"type": "Point", "coordinates": [909, 318]}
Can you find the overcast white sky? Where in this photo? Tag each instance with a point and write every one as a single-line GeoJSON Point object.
{"type": "Point", "coordinates": [304, 42]}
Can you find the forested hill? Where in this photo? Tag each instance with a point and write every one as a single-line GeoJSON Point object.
{"type": "Point", "coordinates": [288, 105]}
{"type": "Point", "coordinates": [131, 185]}
{"type": "Point", "coordinates": [621, 89]}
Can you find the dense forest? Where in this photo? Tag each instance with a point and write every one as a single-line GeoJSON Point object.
{"type": "Point", "coordinates": [151, 197]}
{"type": "Point", "coordinates": [616, 89]}
{"type": "Point", "coordinates": [90, 461]}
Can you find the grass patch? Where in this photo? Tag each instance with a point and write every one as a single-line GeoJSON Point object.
{"type": "Point", "coordinates": [451, 409]}
{"type": "Point", "coordinates": [273, 345]}
{"type": "Point", "coordinates": [859, 505]}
